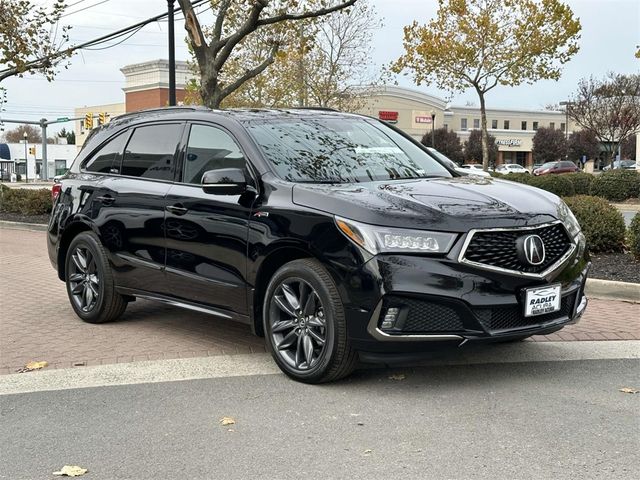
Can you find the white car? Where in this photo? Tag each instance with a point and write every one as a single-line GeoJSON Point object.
{"type": "Point", "coordinates": [475, 169]}
{"type": "Point", "coordinates": [511, 168]}
{"type": "Point", "coordinates": [453, 165]}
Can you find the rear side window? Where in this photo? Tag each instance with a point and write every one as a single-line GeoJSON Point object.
{"type": "Point", "coordinates": [107, 157]}
{"type": "Point", "coordinates": [150, 152]}
{"type": "Point", "coordinates": [209, 148]}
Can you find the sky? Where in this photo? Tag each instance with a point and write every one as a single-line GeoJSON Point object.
{"type": "Point", "coordinates": [610, 33]}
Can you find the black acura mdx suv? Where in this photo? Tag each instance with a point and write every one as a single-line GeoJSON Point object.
{"type": "Point", "coordinates": [336, 236]}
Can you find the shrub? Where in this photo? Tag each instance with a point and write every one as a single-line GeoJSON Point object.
{"type": "Point", "coordinates": [581, 181]}
{"type": "Point", "coordinates": [634, 236]}
{"type": "Point", "coordinates": [601, 223]}
{"type": "Point", "coordinates": [557, 184]}
{"type": "Point", "coordinates": [616, 185]}
{"type": "Point", "coordinates": [496, 174]}
{"type": "Point", "coordinates": [24, 201]}
{"type": "Point", "coordinates": [518, 177]}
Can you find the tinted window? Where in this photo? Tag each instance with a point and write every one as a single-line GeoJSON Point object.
{"type": "Point", "coordinates": [149, 153]}
{"type": "Point", "coordinates": [103, 160]}
{"type": "Point", "coordinates": [209, 148]}
{"type": "Point", "coordinates": [341, 150]}
{"type": "Point", "coordinates": [568, 164]}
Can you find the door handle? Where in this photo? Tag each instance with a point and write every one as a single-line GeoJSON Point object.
{"type": "Point", "coordinates": [177, 209]}
{"type": "Point", "coordinates": [106, 199]}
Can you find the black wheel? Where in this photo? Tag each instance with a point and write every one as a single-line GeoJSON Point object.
{"type": "Point", "coordinates": [89, 281]}
{"type": "Point", "coordinates": [304, 324]}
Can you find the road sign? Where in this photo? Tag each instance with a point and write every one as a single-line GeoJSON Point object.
{"type": "Point", "coordinates": [62, 119]}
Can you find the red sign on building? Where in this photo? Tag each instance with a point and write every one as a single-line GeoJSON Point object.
{"type": "Point", "coordinates": [388, 116]}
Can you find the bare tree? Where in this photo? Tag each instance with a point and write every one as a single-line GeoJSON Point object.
{"type": "Point", "coordinates": [235, 20]}
{"type": "Point", "coordinates": [608, 107]}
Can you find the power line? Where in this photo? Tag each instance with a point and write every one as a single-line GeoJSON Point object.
{"type": "Point", "coordinates": [84, 8]}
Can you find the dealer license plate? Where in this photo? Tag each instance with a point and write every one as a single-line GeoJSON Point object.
{"type": "Point", "coordinates": [541, 300]}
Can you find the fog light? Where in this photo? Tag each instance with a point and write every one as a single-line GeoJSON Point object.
{"type": "Point", "coordinates": [390, 318]}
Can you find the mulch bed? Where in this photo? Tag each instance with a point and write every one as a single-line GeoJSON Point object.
{"type": "Point", "coordinates": [14, 217]}
{"type": "Point", "coordinates": [621, 267]}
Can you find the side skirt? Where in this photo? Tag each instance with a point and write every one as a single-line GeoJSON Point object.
{"type": "Point", "coordinates": [218, 312]}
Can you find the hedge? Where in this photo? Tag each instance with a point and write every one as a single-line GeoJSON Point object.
{"type": "Point", "coordinates": [24, 201]}
{"type": "Point", "coordinates": [634, 236]}
{"type": "Point", "coordinates": [581, 181]}
{"type": "Point", "coordinates": [601, 223]}
{"type": "Point", "coordinates": [616, 185]}
{"type": "Point", "coordinates": [557, 184]}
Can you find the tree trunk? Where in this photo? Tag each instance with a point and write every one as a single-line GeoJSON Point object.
{"type": "Point", "coordinates": [484, 133]}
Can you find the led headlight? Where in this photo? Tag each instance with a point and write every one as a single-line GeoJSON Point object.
{"type": "Point", "coordinates": [569, 220]}
{"type": "Point", "coordinates": [376, 239]}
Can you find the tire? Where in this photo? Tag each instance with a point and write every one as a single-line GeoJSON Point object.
{"type": "Point", "coordinates": [300, 331]}
{"type": "Point", "coordinates": [89, 280]}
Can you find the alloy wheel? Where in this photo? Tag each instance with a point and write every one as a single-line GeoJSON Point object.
{"type": "Point", "coordinates": [84, 281]}
{"type": "Point", "coordinates": [298, 325]}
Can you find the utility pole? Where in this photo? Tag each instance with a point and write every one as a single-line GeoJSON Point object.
{"type": "Point", "coordinates": [172, 56]}
{"type": "Point", "coordinates": [566, 126]}
{"type": "Point", "coordinates": [26, 160]}
{"type": "Point", "coordinates": [44, 172]}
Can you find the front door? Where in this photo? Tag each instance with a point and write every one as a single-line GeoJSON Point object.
{"type": "Point", "coordinates": [206, 234]}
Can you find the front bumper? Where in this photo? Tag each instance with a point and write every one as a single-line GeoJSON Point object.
{"type": "Point", "coordinates": [442, 303]}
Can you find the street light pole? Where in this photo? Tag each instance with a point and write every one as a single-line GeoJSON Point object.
{"type": "Point", "coordinates": [566, 126]}
{"type": "Point", "coordinates": [26, 159]}
{"type": "Point", "coordinates": [172, 56]}
{"type": "Point", "coordinates": [433, 132]}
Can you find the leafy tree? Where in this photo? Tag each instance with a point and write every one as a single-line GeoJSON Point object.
{"type": "Point", "coordinates": [446, 142]}
{"type": "Point", "coordinates": [473, 148]}
{"type": "Point", "coordinates": [17, 134]}
{"type": "Point", "coordinates": [549, 145]}
{"type": "Point", "coordinates": [480, 44]}
{"type": "Point", "coordinates": [235, 23]}
{"type": "Point", "coordinates": [608, 107]}
{"type": "Point", "coordinates": [30, 39]}
{"type": "Point", "coordinates": [583, 142]}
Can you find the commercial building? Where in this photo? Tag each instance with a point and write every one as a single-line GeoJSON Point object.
{"type": "Point", "coordinates": [12, 159]}
{"type": "Point", "coordinates": [417, 113]}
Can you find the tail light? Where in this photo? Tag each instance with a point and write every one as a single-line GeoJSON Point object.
{"type": "Point", "coordinates": [55, 191]}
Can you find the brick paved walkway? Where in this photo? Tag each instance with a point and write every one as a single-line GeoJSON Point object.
{"type": "Point", "coordinates": [37, 323]}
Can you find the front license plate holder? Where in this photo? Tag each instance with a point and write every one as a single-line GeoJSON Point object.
{"type": "Point", "coordinates": [542, 300]}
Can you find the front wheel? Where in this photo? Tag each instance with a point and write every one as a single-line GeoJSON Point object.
{"type": "Point", "coordinates": [89, 280]}
{"type": "Point", "coordinates": [304, 323]}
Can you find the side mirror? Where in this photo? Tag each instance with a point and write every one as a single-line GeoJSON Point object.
{"type": "Point", "coordinates": [225, 181]}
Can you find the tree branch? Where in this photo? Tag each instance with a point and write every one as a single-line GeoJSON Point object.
{"type": "Point", "coordinates": [301, 16]}
{"type": "Point", "coordinates": [249, 74]}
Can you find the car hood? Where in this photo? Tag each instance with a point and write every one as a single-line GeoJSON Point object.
{"type": "Point", "coordinates": [448, 204]}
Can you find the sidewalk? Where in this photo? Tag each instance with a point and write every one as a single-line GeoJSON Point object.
{"type": "Point", "coordinates": [37, 322]}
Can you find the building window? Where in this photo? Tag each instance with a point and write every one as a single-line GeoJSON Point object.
{"type": "Point", "coordinates": [463, 124]}
{"type": "Point", "coordinates": [535, 125]}
{"type": "Point", "coordinates": [476, 123]}
{"type": "Point", "coordinates": [506, 124]}
{"type": "Point", "coordinates": [446, 126]}
{"type": "Point", "coordinates": [524, 125]}
{"type": "Point", "coordinates": [494, 124]}
{"type": "Point", "coordinates": [552, 125]}
{"type": "Point", "coordinates": [563, 126]}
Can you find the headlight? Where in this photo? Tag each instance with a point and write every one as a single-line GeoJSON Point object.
{"type": "Point", "coordinates": [569, 220]}
{"type": "Point", "coordinates": [376, 239]}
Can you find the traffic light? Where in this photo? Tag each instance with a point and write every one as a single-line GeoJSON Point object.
{"type": "Point", "coordinates": [88, 121]}
{"type": "Point", "coordinates": [102, 118]}
{"type": "Point", "coordinates": [32, 151]}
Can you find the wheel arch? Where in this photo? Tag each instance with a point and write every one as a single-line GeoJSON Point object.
{"type": "Point", "coordinates": [70, 232]}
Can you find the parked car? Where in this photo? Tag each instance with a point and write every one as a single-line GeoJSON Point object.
{"type": "Point", "coordinates": [511, 168]}
{"type": "Point", "coordinates": [621, 164]}
{"type": "Point", "coordinates": [475, 169]}
{"type": "Point", "coordinates": [563, 166]}
{"type": "Point", "coordinates": [335, 236]}
{"type": "Point", "coordinates": [454, 166]}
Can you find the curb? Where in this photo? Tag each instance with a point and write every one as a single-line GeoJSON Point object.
{"type": "Point", "coordinates": [610, 290]}
{"type": "Point", "coordinates": [627, 207]}
{"type": "Point", "coordinates": [41, 227]}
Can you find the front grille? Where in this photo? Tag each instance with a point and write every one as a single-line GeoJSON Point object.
{"type": "Point", "coordinates": [498, 248]}
{"type": "Point", "coordinates": [423, 316]}
{"type": "Point", "coordinates": [507, 318]}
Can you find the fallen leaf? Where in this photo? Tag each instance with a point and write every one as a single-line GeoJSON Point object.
{"type": "Point", "coordinates": [31, 366]}
{"type": "Point", "coordinates": [629, 390]}
{"type": "Point", "coordinates": [397, 376]}
{"type": "Point", "coordinates": [71, 470]}
{"type": "Point", "coordinates": [227, 421]}
{"type": "Point", "coordinates": [367, 451]}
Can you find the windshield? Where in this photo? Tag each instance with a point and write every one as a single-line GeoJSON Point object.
{"type": "Point", "coordinates": [340, 150]}
{"type": "Point", "coordinates": [443, 158]}
{"type": "Point", "coordinates": [548, 165]}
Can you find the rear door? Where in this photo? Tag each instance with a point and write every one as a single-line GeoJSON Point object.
{"type": "Point", "coordinates": [206, 234]}
{"type": "Point", "coordinates": [133, 200]}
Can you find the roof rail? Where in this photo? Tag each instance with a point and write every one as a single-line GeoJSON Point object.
{"type": "Point", "coordinates": [326, 109]}
{"type": "Point", "coordinates": [161, 109]}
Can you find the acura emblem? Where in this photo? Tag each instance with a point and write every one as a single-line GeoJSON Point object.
{"type": "Point", "coordinates": [531, 248]}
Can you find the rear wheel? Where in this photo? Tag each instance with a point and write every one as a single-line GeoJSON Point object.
{"type": "Point", "coordinates": [304, 324]}
{"type": "Point", "coordinates": [89, 280]}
